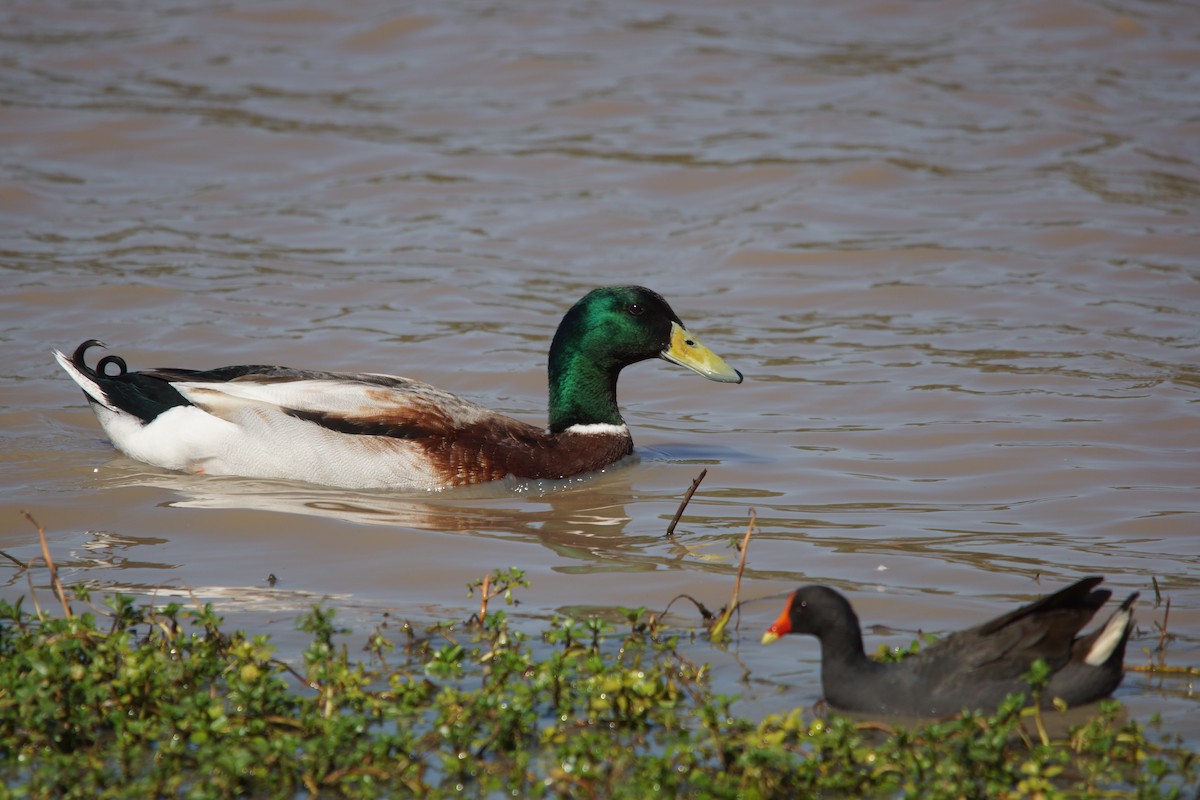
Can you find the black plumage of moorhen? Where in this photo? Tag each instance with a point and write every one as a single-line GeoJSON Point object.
{"type": "Point", "coordinates": [973, 669]}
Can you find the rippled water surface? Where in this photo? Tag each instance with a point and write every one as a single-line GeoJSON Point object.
{"type": "Point", "coordinates": [952, 245]}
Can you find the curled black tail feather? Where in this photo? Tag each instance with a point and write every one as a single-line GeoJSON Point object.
{"type": "Point", "coordinates": [143, 395]}
{"type": "Point", "coordinates": [79, 359]}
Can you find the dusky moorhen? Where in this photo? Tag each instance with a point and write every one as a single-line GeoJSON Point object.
{"type": "Point", "coordinates": [971, 669]}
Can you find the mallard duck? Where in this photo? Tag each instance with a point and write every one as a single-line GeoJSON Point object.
{"type": "Point", "coordinates": [972, 669]}
{"type": "Point", "coordinates": [366, 430]}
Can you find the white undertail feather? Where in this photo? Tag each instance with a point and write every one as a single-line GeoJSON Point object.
{"type": "Point", "coordinates": [86, 383]}
{"type": "Point", "coordinates": [1109, 638]}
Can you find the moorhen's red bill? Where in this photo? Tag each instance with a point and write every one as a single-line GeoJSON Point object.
{"type": "Point", "coordinates": [972, 669]}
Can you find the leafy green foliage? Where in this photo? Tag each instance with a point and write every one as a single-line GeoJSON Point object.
{"type": "Point", "coordinates": [161, 702]}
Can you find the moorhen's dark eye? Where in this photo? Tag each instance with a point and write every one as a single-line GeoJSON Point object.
{"type": "Point", "coordinates": [636, 309]}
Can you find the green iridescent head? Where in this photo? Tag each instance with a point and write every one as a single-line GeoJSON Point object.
{"type": "Point", "coordinates": [606, 331]}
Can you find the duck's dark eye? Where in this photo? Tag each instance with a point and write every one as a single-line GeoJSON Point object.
{"type": "Point", "coordinates": [636, 309]}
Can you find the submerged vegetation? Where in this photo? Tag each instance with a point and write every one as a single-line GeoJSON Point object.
{"type": "Point", "coordinates": [142, 701]}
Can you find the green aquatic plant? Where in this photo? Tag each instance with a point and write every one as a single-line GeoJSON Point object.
{"type": "Point", "coordinates": [135, 700]}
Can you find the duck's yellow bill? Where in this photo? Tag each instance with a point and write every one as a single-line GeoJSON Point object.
{"type": "Point", "coordinates": [687, 351]}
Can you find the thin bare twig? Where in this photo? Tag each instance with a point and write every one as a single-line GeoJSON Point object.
{"type": "Point", "coordinates": [717, 632]}
{"type": "Point", "coordinates": [686, 499]}
{"type": "Point", "coordinates": [41, 615]}
{"type": "Point", "coordinates": [54, 581]}
{"type": "Point", "coordinates": [1162, 669]}
{"type": "Point", "coordinates": [1163, 636]}
{"type": "Point", "coordinates": [704, 612]}
{"type": "Point", "coordinates": [483, 597]}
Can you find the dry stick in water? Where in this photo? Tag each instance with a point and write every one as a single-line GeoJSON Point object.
{"type": "Point", "coordinates": [1162, 668]}
{"type": "Point", "coordinates": [483, 596]}
{"type": "Point", "coordinates": [717, 632]}
{"type": "Point", "coordinates": [686, 499]}
{"type": "Point", "coordinates": [54, 581]}
{"type": "Point", "coordinates": [1163, 638]}
{"type": "Point", "coordinates": [16, 561]}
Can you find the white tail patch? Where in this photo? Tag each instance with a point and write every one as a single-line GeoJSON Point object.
{"type": "Point", "coordinates": [87, 384]}
{"type": "Point", "coordinates": [1110, 637]}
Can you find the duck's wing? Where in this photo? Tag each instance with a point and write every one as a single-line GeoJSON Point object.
{"type": "Point", "coordinates": [346, 403]}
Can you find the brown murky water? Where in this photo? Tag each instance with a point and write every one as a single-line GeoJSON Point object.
{"type": "Point", "coordinates": [952, 245]}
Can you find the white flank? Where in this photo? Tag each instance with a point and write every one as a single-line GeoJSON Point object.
{"type": "Point", "coordinates": [599, 429]}
{"type": "Point", "coordinates": [1109, 638]}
